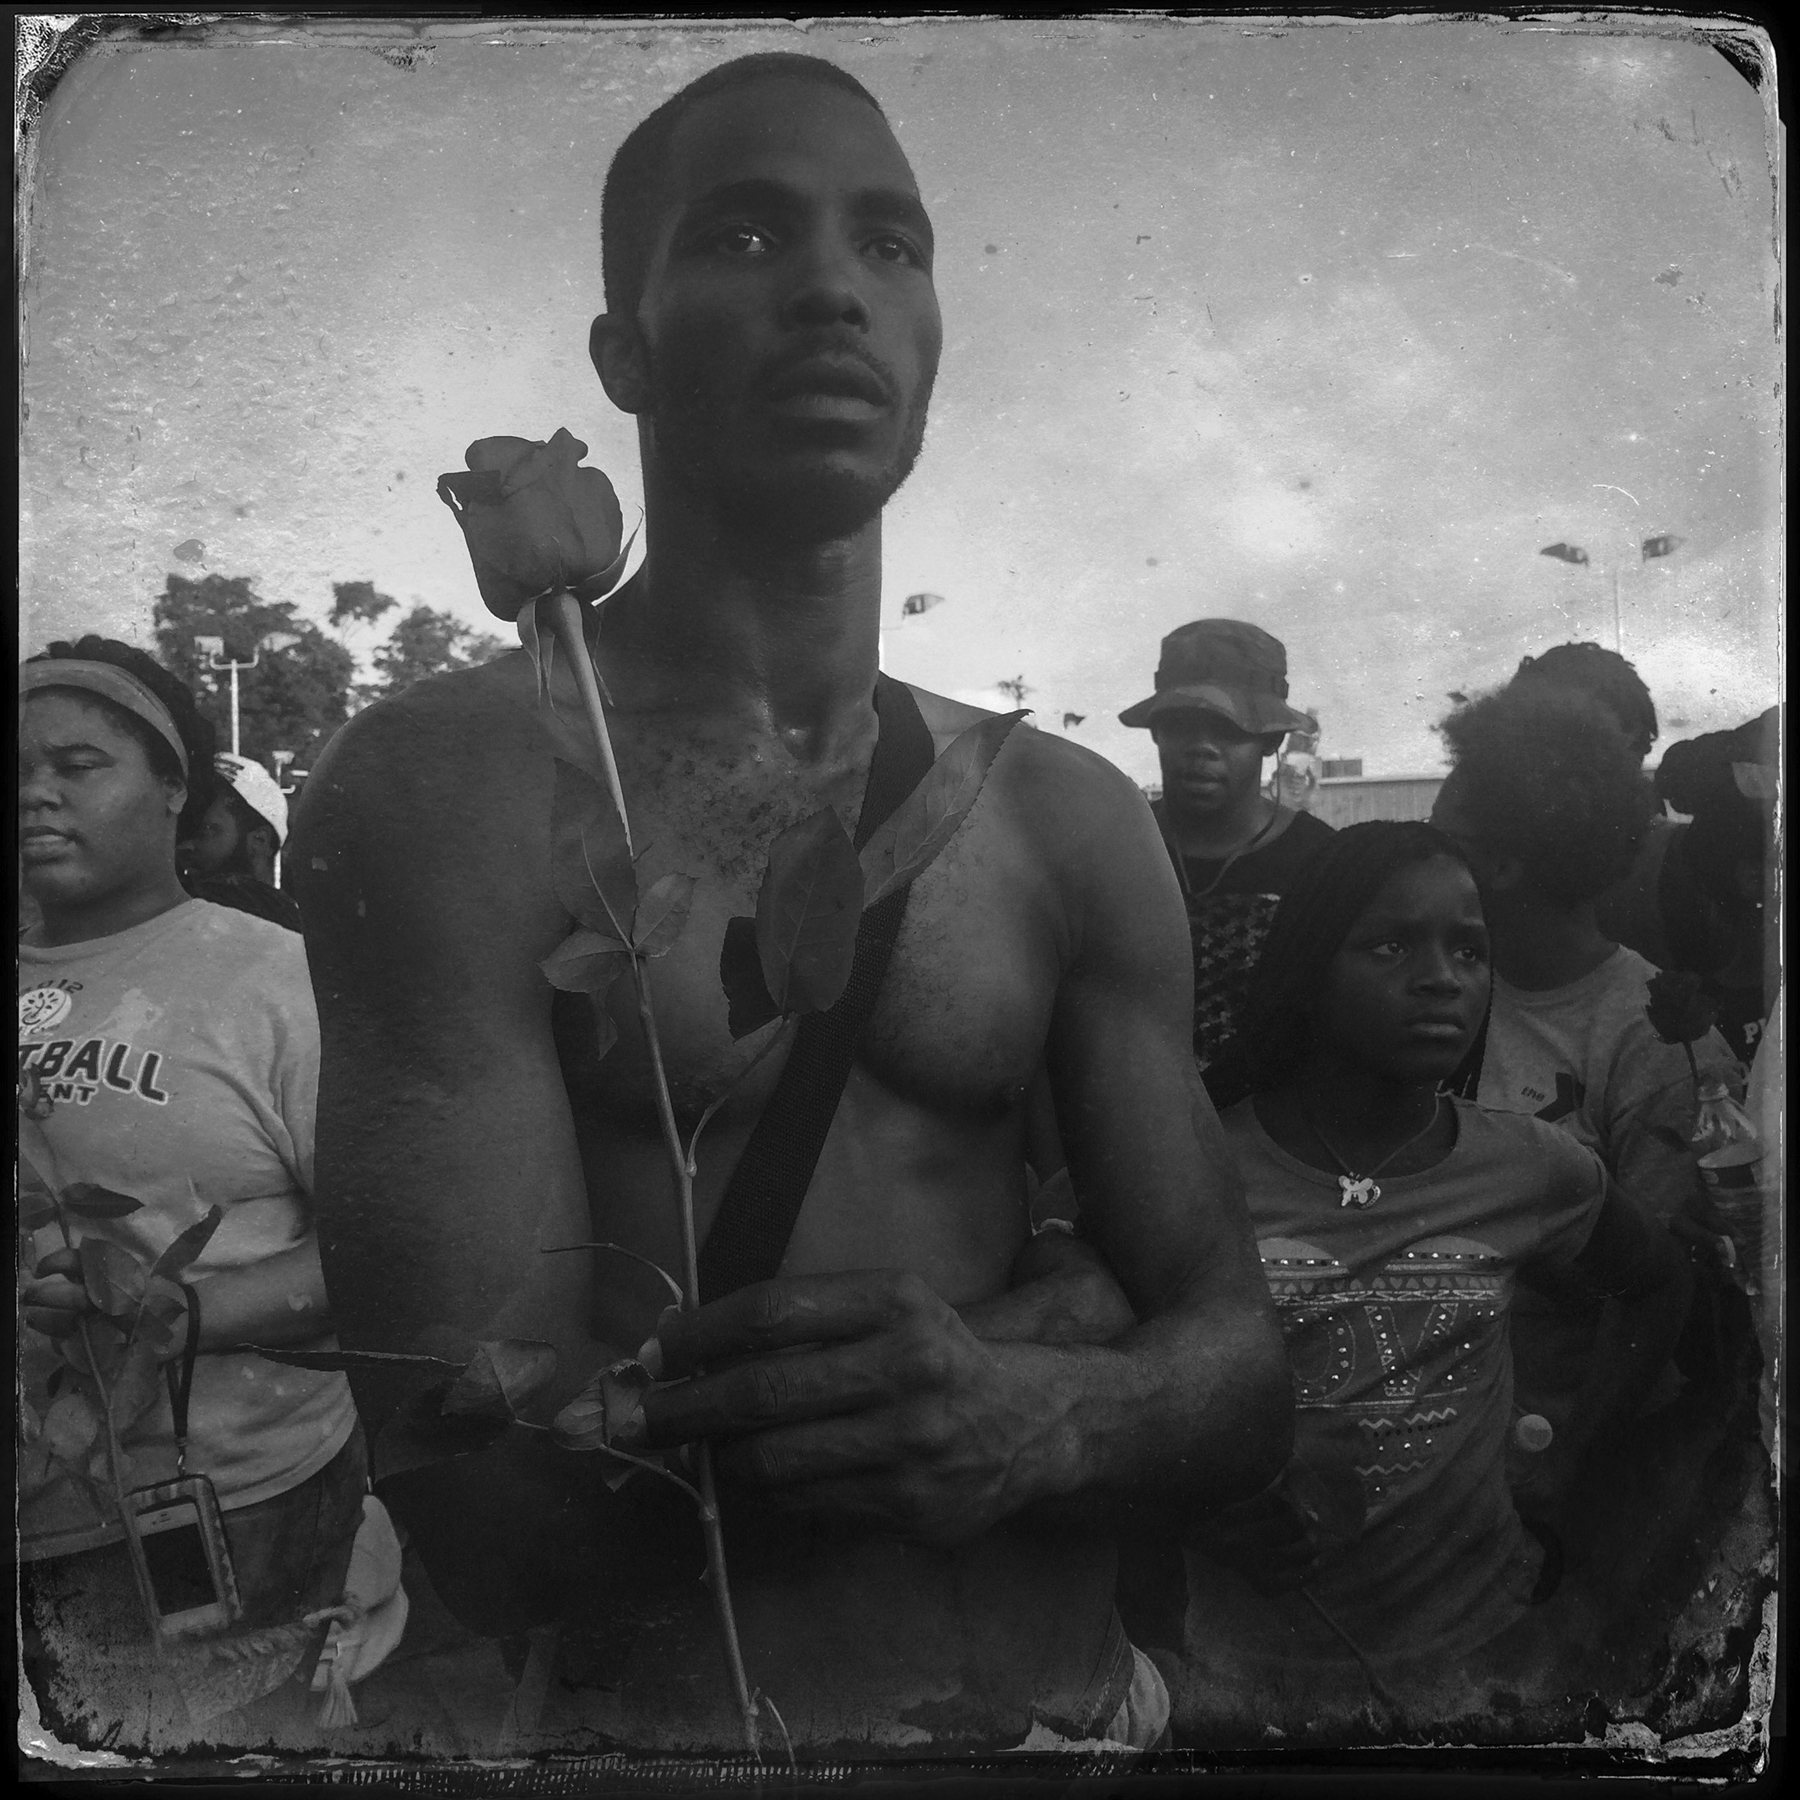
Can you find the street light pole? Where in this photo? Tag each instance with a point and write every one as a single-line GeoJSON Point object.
{"type": "Point", "coordinates": [217, 660]}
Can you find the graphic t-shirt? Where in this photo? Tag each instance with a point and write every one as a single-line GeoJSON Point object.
{"type": "Point", "coordinates": [1585, 1059]}
{"type": "Point", "coordinates": [180, 1061]}
{"type": "Point", "coordinates": [1230, 907]}
{"type": "Point", "coordinates": [1395, 1320]}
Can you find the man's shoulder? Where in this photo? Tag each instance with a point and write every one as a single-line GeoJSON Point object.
{"type": "Point", "coordinates": [432, 738]}
{"type": "Point", "coordinates": [1037, 765]}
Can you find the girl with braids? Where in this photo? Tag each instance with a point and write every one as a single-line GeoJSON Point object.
{"type": "Point", "coordinates": [168, 1051]}
{"type": "Point", "coordinates": [1393, 1217]}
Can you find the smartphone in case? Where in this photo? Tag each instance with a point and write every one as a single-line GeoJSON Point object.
{"type": "Point", "coordinates": [189, 1586]}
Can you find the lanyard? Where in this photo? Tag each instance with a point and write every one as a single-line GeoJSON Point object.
{"type": "Point", "coordinates": [181, 1387]}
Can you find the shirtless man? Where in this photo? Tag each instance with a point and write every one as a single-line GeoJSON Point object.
{"type": "Point", "coordinates": [918, 1500]}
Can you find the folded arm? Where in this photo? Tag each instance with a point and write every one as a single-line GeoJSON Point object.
{"type": "Point", "coordinates": [864, 1394]}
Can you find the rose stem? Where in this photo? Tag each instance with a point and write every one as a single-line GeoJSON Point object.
{"type": "Point", "coordinates": [565, 621]}
{"type": "Point", "coordinates": [115, 1459]}
{"type": "Point", "coordinates": [565, 615]}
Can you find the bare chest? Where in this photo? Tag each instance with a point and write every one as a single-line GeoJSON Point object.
{"type": "Point", "coordinates": [960, 1018]}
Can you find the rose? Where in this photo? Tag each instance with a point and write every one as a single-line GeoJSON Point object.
{"type": "Point", "coordinates": [1679, 1011]}
{"type": "Point", "coordinates": [535, 522]}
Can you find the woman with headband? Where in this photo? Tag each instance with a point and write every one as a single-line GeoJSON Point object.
{"type": "Point", "coordinates": [169, 1052]}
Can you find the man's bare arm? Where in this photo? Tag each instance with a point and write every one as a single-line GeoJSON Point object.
{"type": "Point", "coordinates": [446, 1156]}
{"type": "Point", "coordinates": [865, 1394]}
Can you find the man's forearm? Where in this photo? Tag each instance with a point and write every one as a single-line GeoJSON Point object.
{"type": "Point", "coordinates": [1190, 1410]}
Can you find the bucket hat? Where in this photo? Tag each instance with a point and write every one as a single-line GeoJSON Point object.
{"type": "Point", "coordinates": [1223, 666]}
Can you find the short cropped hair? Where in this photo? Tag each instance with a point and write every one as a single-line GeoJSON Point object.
{"type": "Point", "coordinates": [1603, 675]}
{"type": "Point", "coordinates": [196, 732]}
{"type": "Point", "coordinates": [630, 200]}
{"type": "Point", "coordinates": [1548, 778]}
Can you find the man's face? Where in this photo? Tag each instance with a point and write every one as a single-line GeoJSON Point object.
{"type": "Point", "coordinates": [1209, 765]}
{"type": "Point", "coordinates": [217, 847]}
{"type": "Point", "coordinates": [788, 312]}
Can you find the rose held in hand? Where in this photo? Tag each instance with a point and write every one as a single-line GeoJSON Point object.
{"type": "Point", "coordinates": [535, 521]}
{"type": "Point", "coordinates": [1680, 1012]}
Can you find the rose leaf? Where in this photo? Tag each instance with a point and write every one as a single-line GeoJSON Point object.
{"type": "Point", "coordinates": [749, 1005]}
{"type": "Point", "coordinates": [807, 911]}
{"type": "Point", "coordinates": [185, 1248]}
{"type": "Point", "coordinates": [90, 1202]}
{"type": "Point", "coordinates": [586, 962]}
{"type": "Point", "coordinates": [662, 913]}
{"type": "Point", "coordinates": [905, 844]}
{"type": "Point", "coordinates": [70, 1428]}
{"type": "Point", "coordinates": [590, 863]}
{"type": "Point", "coordinates": [114, 1279]}
{"type": "Point", "coordinates": [501, 1379]}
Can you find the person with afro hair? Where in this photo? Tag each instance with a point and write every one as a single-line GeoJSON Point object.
{"type": "Point", "coordinates": [1547, 799]}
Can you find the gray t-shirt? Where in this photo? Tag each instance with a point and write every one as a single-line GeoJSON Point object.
{"type": "Point", "coordinates": [180, 1063]}
{"type": "Point", "coordinates": [1395, 1320]}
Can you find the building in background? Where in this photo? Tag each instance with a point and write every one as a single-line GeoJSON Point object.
{"type": "Point", "coordinates": [1350, 799]}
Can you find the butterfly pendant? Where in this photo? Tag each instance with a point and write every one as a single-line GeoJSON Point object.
{"type": "Point", "coordinates": [1358, 1190]}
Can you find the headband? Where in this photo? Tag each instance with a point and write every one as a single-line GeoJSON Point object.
{"type": "Point", "coordinates": [110, 683]}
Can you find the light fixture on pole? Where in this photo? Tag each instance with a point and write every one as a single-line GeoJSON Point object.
{"type": "Point", "coordinates": [912, 607]}
{"type": "Point", "coordinates": [216, 659]}
{"type": "Point", "coordinates": [1662, 543]}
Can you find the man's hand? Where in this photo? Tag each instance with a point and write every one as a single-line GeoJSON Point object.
{"type": "Point", "coordinates": [56, 1299]}
{"type": "Point", "coordinates": [859, 1395]}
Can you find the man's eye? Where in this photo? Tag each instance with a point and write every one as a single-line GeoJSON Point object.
{"type": "Point", "coordinates": [892, 248]}
{"type": "Point", "coordinates": [742, 240]}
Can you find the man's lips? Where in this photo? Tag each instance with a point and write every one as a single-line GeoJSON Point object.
{"type": "Point", "coordinates": [1438, 1025]}
{"type": "Point", "coordinates": [830, 378]}
{"type": "Point", "coordinates": [41, 837]}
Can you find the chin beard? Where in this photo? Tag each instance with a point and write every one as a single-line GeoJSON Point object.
{"type": "Point", "coordinates": [792, 510]}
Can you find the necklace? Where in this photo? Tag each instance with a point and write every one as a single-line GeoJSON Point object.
{"type": "Point", "coordinates": [1360, 1190]}
{"type": "Point", "coordinates": [1243, 849]}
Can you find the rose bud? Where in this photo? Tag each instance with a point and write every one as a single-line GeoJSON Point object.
{"type": "Point", "coordinates": [1679, 1011]}
{"type": "Point", "coordinates": [535, 522]}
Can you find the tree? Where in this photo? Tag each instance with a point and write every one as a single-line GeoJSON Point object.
{"type": "Point", "coordinates": [356, 603]}
{"type": "Point", "coordinates": [428, 642]}
{"type": "Point", "coordinates": [299, 692]}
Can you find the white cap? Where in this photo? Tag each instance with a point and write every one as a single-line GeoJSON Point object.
{"type": "Point", "coordinates": [258, 790]}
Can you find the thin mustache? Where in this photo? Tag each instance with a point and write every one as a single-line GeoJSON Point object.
{"type": "Point", "coordinates": [834, 351]}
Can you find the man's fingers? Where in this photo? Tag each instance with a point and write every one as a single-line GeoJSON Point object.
{"type": "Point", "coordinates": [803, 1456]}
{"type": "Point", "coordinates": [763, 1392]}
{"type": "Point", "coordinates": [791, 1310]}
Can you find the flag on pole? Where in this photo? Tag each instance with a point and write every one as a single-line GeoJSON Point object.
{"type": "Point", "coordinates": [914, 604]}
{"type": "Point", "coordinates": [1569, 553]}
{"type": "Point", "coordinates": [1661, 545]}
{"type": "Point", "coordinates": [1070, 718]}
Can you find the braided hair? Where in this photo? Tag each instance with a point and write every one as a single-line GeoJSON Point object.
{"type": "Point", "coordinates": [1275, 1030]}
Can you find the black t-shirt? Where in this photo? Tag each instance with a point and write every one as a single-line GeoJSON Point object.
{"type": "Point", "coordinates": [1229, 909]}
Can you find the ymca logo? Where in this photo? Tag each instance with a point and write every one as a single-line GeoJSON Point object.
{"type": "Point", "coordinates": [42, 1008]}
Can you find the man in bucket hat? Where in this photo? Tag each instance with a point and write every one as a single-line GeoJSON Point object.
{"type": "Point", "coordinates": [1220, 708]}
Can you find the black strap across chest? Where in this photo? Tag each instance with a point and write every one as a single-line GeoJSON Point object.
{"type": "Point", "coordinates": [756, 1217]}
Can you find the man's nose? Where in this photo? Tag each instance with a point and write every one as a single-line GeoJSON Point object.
{"type": "Point", "coordinates": [828, 289]}
{"type": "Point", "coordinates": [1436, 973]}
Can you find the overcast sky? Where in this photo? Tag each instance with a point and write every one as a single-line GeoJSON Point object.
{"type": "Point", "coordinates": [1331, 328]}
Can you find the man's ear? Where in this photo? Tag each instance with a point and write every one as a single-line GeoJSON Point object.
{"type": "Point", "coordinates": [261, 838]}
{"type": "Point", "coordinates": [621, 361]}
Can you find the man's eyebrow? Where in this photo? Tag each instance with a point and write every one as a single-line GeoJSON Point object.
{"type": "Point", "coordinates": [758, 193]}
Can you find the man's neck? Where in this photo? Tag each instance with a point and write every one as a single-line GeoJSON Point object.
{"type": "Point", "coordinates": [784, 637]}
{"type": "Point", "coordinates": [1538, 945]}
{"type": "Point", "coordinates": [1213, 836]}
